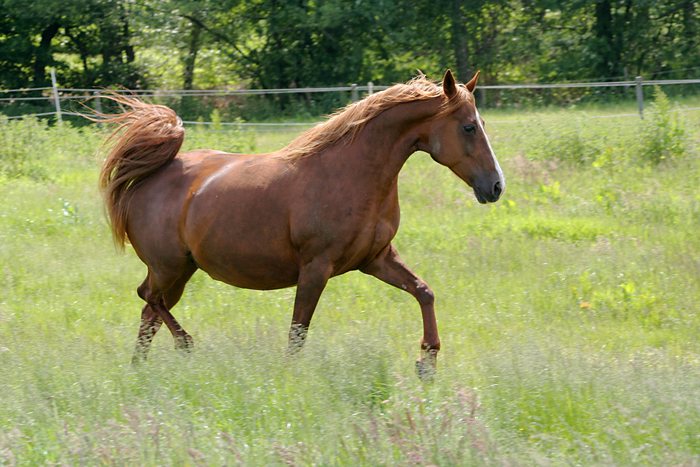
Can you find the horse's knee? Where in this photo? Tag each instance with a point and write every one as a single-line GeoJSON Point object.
{"type": "Point", "coordinates": [143, 290]}
{"type": "Point", "coordinates": [424, 295]}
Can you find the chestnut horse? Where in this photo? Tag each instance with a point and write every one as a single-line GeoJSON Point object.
{"type": "Point", "coordinates": [322, 206]}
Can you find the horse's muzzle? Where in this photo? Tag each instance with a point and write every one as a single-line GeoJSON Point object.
{"type": "Point", "coordinates": [490, 194]}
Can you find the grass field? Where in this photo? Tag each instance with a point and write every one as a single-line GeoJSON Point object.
{"type": "Point", "coordinates": [568, 314]}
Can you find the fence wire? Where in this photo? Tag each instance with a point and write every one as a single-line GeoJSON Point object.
{"type": "Point", "coordinates": [54, 95]}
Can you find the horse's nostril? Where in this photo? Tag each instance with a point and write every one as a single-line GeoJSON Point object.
{"type": "Point", "coordinates": [497, 189]}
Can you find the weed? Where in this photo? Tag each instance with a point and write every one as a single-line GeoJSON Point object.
{"type": "Point", "coordinates": [20, 148]}
{"type": "Point", "coordinates": [663, 133]}
{"type": "Point", "coordinates": [569, 145]}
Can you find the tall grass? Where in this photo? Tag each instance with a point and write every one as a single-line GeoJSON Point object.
{"type": "Point", "coordinates": [568, 314]}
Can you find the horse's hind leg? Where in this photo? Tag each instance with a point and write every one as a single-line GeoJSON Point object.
{"type": "Point", "coordinates": [150, 323]}
{"type": "Point", "coordinates": [157, 310]}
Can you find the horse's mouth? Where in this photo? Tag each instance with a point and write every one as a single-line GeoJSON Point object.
{"type": "Point", "coordinates": [484, 196]}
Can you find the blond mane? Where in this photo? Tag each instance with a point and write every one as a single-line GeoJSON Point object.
{"type": "Point", "coordinates": [344, 124]}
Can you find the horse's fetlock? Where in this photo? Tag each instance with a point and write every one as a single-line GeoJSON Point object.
{"type": "Point", "coordinates": [430, 347]}
{"type": "Point", "coordinates": [297, 335]}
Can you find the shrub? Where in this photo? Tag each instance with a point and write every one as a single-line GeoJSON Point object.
{"type": "Point", "coordinates": [663, 134]}
{"type": "Point", "coordinates": [567, 144]}
{"type": "Point", "coordinates": [19, 140]}
{"type": "Point", "coordinates": [231, 138]}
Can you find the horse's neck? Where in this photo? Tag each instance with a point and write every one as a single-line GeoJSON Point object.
{"type": "Point", "coordinates": [385, 143]}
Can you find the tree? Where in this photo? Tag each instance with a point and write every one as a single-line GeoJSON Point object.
{"type": "Point", "coordinates": [97, 31]}
{"type": "Point", "coordinates": [300, 43]}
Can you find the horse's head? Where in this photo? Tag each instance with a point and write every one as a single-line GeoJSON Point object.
{"type": "Point", "coordinates": [457, 139]}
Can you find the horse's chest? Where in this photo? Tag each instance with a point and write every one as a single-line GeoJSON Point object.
{"type": "Point", "coordinates": [361, 237]}
{"type": "Point", "coordinates": [347, 225]}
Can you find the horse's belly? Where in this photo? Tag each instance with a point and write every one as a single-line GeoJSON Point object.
{"type": "Point", "coordinates": [254, 269]}
{"type": "Point", "coordinates": [255, 254]}
{"type": "Point", "coordinates": [252, 253]}
{"type": "Point", "coordinates": [252, 273]}
{"type": "Point", "coordinates": [237, 227]}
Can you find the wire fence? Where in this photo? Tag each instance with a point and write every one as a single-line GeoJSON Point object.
{"type": "Point", "coordinates": [60, 98]}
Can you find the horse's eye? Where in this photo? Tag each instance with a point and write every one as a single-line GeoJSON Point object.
{"type": "Point", "coordinates": [471, 129]}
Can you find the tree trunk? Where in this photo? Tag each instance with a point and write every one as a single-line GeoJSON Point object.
{"type": "Point", "coordinates": [459, 41]}
{"type": "Point", "coordinates": [604, 47]}
{"type": "Point", "coordinates": [690, 29]}
{"type": "Point", "coordinates": [128, 48]}
{"type": "Point", "coordinates": [84, 55]}
{"type": "Point", "coordinates": [190, 59]}
{"type": "Point", "coordinates": [43, 55]}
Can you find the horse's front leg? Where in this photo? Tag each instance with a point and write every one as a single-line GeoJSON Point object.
{"type": "Point", "coordinates": [388, 267]}
{"type": "Point", "coordinates": [312, 280]}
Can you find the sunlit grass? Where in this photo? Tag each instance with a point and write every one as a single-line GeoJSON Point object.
{"type": "Point", "coordinates": [568, 315]}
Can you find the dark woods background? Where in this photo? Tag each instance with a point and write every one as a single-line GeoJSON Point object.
{"type": "Point", "coordinates": [182, 44]}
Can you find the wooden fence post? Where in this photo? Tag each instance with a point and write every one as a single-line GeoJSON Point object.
{"type": "Point", "coordinates": [98, 105]}
{"type": "Point", "coordinates": [98, 101]}
{"type": "Point", "coordinates": [353, 92]}
{"type": "Point", "coordinates": [370, 88]}
{"type": "Point", "coordinates": [640, 96]}
{"type": "Point", "coordinates": [56, 100]}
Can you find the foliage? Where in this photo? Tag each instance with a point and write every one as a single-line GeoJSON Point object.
{"type": "Point", "coordinates": [661, 136]}
{"type": "Point", "coordinates": [267, 43]}
{"type": "Point", "coordinates": [33, 149]}
{"type": "Point", "coordinates": [19, 140]}
{"type": "Point", "coordinates": [214, 135]}
{"type": "Point", "coordinates": [663, 133]}
{"type": "Point", "coordinates": [568, 144]}
{"type": "Point", "coordinates": [89, 42]}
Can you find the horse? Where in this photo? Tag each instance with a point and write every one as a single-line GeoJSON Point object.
{"type": "Point", "coordinates": [324, 205]}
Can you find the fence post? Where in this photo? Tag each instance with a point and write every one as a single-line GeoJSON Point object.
{"type": "Point", "coordinates": [98, 101]}
{"type": "Point", "coordinates": [370, 88]}
{"type": "Point", "coordinates": [353, 92]}
{"type": "Point", "coordinates": [640, 96]}
{"type": "Point", "coordinates": [56, 100]}
{"type": "Point", "coordinates": [98, 105]}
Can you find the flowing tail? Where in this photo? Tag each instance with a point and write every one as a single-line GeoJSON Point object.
{"type": "Point", "coordinates": [147, 138]}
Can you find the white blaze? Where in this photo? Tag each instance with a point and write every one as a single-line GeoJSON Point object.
{"type": "Point", "coordinates": [493, 154]}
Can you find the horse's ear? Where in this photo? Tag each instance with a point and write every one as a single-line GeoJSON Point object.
{"type": "Point", "coordinates": [449, 86]}
{"type": "Point", "coordinates": [471, 85]}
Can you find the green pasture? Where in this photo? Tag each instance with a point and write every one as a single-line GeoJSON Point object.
{"type": "Point", "coordinates": [568, 314]}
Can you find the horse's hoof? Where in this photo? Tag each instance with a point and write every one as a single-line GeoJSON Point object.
{"type": "Point", "coordinates": [140, 355]}
{"type": "Point", "coordinates": [184, 343]}
{"type": "Point", "coordinates": [138, 359]}
{"type": "Point", "coordinates": [425, 369]}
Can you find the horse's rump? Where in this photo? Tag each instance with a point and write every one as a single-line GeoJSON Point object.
{"type": "Point", "coordinates": [148, 137]}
